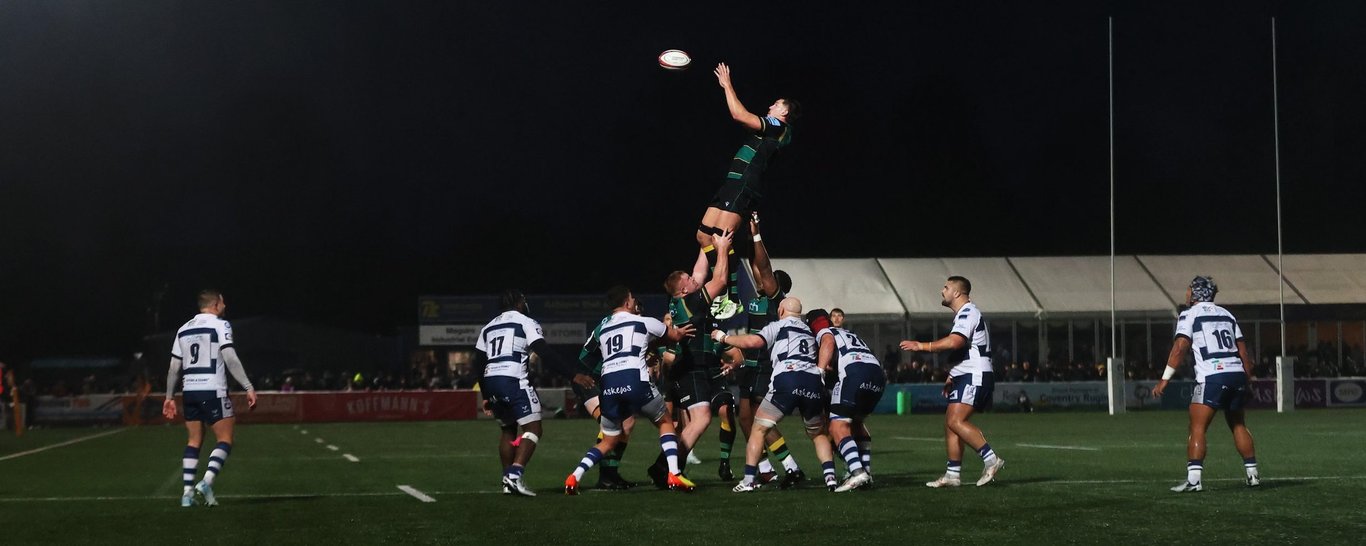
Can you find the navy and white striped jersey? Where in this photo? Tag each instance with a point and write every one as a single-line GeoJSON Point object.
{"type": "Point", "coordinates": [506, 341]}
{"type": "Point", "coordinates": [1214, 335]}
{"type": "Point", "coordinates": [791, 346]}
{"type": "Point", "coordinates": [849, 348]}
{"type": "Point", "coordinates": [624, 338]}
{"type": "Point", "coordinates": [975, 358]}
{"type": "Point", "coordinates": [198, 345]}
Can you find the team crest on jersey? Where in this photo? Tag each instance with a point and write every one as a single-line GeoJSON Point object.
{"type": "Point", "coordinates": [953, 395]}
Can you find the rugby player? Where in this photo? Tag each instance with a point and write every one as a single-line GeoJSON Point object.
{"type": "Point", "coordinates": [503, 351]}
{"type": "Point", "coordinates": [770, 289]}
{"type": "Point", "coordinates": [796, 385]}
{"type": "Point", "coordinates": [855, 395]}
{"type": "Point", "coordinates": [624, 341]}
{"type": "Point", "coordinates": [202, 354]}
{"type": "Point", "coordinates": [969, 385]}
{"type": "Point", "coordinates": [1222, 372]}
{"type": "Point", "coordinates": [590, 356]}
{"type": "Point", "coordinates": [742, 190]}
{"type": "Point", "coordinates": [692, 368]}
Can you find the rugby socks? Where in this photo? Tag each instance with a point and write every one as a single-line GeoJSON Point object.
{"type": "Point", "coordinates": [988, 456]}
{"type": "Point", "coordinates": [611, 461]}
{"type": "Point", "coordinates": [217, 458]}
{"type": "Point", "coordinates": [865, 450]}
{"type": "Point", "coordinates": [849, 450]}
{"type": "Point", "coordinates": [733, 270]}
{"type": "Point", "coordinates": [189, 463]}
{"type": "Point", "coordinates": [750, 471]}
{"type": "Point", "coordinates": [780, 451]}
{"type": "Point", "coordinates": [954, 468]}
{"type": "Point", "coordinates": [668, 443]}
{"type": "Point", "coordinates": [1194, 468]}
{"type": "Point", "coordinates": [727, 438]}
{"type": "Point", "coordinates": [765, 467]}
{"type": "Point", "coordinates": [1250, 466]}
{"type": "Point", "coordinates": [589, 459]}
{"type": "Point", "coordinates": [828, 469]}
{"type": "Point", "coordinates": [514, 471]}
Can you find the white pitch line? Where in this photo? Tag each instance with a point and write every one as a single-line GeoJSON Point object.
{"type": "Point", "coordinates": [331, 447]}
{"type": "Point", "coordinates": [164, 497]}
{"type": "Point", "coordinates": [351, 457]}
{"type": "Point", "coordinates": [318, 440]}
{"type": "Point", "coordinates": [303, 431]}
{"type": "Point", "coordinates": [57, 445]}
{"type": "Point", "coordinates": [1046, 446]}
{"type": "Point", "coordinates": [415, 493]}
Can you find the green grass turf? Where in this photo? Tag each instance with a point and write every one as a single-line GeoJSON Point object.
{"type": "Point", "coordinates": [281, 486]}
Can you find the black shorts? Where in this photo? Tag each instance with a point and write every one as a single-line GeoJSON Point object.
{"type": "Point", "coordinates": [736, 196]}
{"type": "Point", "coordinates": [753, 381]}
{"type": "Point", "coordinates": [589, 393]}
{"type": "Point", "coordinates": [723, 389]}
{"type": "Point", "coordinates": [693, 388]}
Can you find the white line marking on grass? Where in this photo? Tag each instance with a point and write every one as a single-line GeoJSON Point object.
{"type": "Point", "coordinates": [415, 493]}
{"type": "Point", "coordinates": [57, 445]}
{"type": "Point", "coordinates": [1046, 446]}
{"type": "Point", "coordinates": [351, 457]}
{"type": "Point", "coordinates": [305, 431]}
{"type": "Point", "coordinates": [1277, 479]}
{"type": "Point", "coordinates": [318, 440]}
{"type": "Point", "coordinates": [166, 497]}
{"type": "Point", "coordinates": [331, 447]}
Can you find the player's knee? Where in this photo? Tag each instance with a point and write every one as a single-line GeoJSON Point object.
{"type": "Point", "coordinates": [532, 437]}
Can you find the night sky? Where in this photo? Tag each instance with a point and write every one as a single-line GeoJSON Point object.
{"type": "Point", "coordinates": [330, 161]}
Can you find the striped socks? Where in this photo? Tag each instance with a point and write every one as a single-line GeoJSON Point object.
{"type": "Point", "coordinates": [668, 443]}
{"type": "Point", "coordinates": [217, 458]}
{"type": "Point", "coordinates": [1194, 468]}
{"type": "Point", "coordinates": [849, 450]}
{"type": "Point", "coordinates": [780, 451]}
{"type": "Point", "coordinates": [954, 468]}
{"type": "Point", "coordinates": [988, 456]}
{"type": "Point", "coordinates": [189, 464]}
{"type": "Point", "coordinates": [727, 438]}
{"type": "Point", "coordinates": [865, 449]}
{"type": "Point", "coordinates": [589, 459]}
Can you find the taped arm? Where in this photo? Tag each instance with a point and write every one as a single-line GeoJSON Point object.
{"type": "Point", "coordinates": [234, 365]}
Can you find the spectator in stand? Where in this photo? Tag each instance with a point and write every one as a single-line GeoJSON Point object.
{"type": "Point", "coordinates": [1013, 374]}
{"type": "Point", "coordinates": [288, 386]}
{"type": "Point", "coordinates": [1027, 372]}
{"type": "Point", "coordinates": [837, 317]}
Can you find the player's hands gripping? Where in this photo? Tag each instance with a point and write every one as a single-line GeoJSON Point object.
{"type": "Point", "coordinates": [168, 409]}
{"type": "Point", "coordinates": [722, 75]}
{"type": "Point", "coordinates": [718, 335]}
{"type": "Point", "coordinates": [722, 241]}
{"type": "Point", "coordinates": [680, 333]}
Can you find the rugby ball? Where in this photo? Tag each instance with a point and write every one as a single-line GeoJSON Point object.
{"type": "Point", "coordinates": [674, 59]}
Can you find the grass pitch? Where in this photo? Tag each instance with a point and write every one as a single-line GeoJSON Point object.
{"type": "Point", "coordinates": [1070, 477]}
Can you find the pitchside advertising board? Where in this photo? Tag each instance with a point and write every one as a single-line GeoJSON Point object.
{"type": "Point", "coordinates": [556, 333]}
{"type": "Point", "coordinates": [564, 319]}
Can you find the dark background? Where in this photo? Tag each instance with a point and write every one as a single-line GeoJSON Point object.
{"type": "Point", "coordinates": [329, 161]}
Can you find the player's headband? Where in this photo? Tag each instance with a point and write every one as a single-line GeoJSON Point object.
{"type": "Point", "coordinates": [1203, 289]}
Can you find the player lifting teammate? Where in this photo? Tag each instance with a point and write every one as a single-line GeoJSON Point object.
{"type": "Point", "coordinates": [201, 353]}
{"type": "Point", "coordinates": [742, 189]}
{"type": "Point", "coordinates": [624, 341]}
{"type": "Point", "coordinates": [969, 385]}
{"type": "Point", "coordinates": [796, 385]}
{"type": "Point", "coordinates": [1221, 375]}
{"type": "Point", "coordinates": [503, 351]}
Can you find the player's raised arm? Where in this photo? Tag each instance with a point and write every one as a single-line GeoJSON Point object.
{"type": "Point", "coordinates": [742, 341]}
{"type": "Point", "coordinates": [737, 109]}
{"type": "Point", "coordinates": [761, 267]}
{"type": "Point", "coordinates": [721, 275]}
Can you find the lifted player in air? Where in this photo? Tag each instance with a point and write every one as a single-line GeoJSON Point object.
{"type": "Point", "coordinates": [743, 188]}
{"type": "Point", "coordinates": [624, 341]}
{"type": "Point", "coordinates": [796, 385]}
{"type": "Point", "coordinates": [969, 385]}
{"type": "Point", "coordinates": [1221, 375]}
{"type": "Point", "coordinates": [503, 351]}
{"type": "Point", "coordinates": [200, 346]}
{"type": "Point", "coordinates": [855, 395]}
{"type": "Point", "coordinates": [691, 304]}
{"type": "Point", "coordinates": [770, 288]}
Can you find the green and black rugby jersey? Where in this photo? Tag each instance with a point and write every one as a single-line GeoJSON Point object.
{"type": "Point", "coordinates": [761, 310]}
{"type": "Point", "coordinates": [590, 356]}
{"type": "Point", "coordinates": [754, 155]}
{"type": "Point", "coordinates": [695, 309]}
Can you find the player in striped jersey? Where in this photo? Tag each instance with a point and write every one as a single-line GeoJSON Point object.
{"type": "Point", "coordinates": [742, 190]}
{"type": "Point", "coordinates": [770, 289]}
{"type": "Point", "coordinates": [969, 385]}
{"type": "Point", "coordinates": [856, 393]}
{"type": "Point", "coordinates": [503, 352]}
{"type": "Point", "coordinates": [796, 385]}
{"type": "Point", "coordinates": [203, 354]}
{"type": "Point", "coordinates": [1222, 372]}
{"type": "Point", "coordinates": [624, 340]}
{"type": "Point", "coordinates": [590, 356]}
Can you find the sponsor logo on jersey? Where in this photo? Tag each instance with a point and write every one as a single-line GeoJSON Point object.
{"type": "Point", "coordinates": [805, 393]}
{"type": "Point", "coordinates": [616, 390]}
{"type": "Point", "coordinates": [870, 386]}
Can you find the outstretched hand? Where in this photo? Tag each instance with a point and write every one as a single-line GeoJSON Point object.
{"type": "Point", "coordinates": [722, 241]}
{"type": "Point", "coordinates": [722, 75]}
